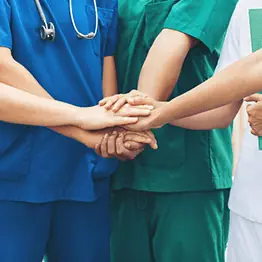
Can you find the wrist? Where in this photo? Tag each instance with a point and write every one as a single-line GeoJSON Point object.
{"type": "Point", "coordinates": [88, 138]}
{"type": "Point", "coordinates": [73, 114]}
{"type": "Point", "coordinates": [83, 117]}
{"type": "Point", "coordinates": [159, 115]}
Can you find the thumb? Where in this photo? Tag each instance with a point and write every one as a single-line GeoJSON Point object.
{"type": "Point", "coordinates": [254, 98]}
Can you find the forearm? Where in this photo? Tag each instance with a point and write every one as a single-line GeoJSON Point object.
{"type": "Point", "coordinates": [163, 64]}
{"type": "Point", "coordinates": [21, 107]}
{"type": "Point", "coordinates": [14, 74]}
{"type": "Point", "coordinates": [230, 85]}
{"type": "Point", "coordinates": [109, 77]}
{"type": "Point", "coordinates": [220, 117]}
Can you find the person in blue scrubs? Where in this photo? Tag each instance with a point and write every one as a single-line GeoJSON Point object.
{"type": "Point", "coordinates": [54, 191]}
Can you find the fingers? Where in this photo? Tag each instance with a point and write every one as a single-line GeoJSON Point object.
{"type": "Point", "coordinates": [122, 121]}
{"type": "Point", "coordinates": [132, 111]}
{"type": "Point", "coordinates": [153, 144]}
{"type": "Point", "coordinates": [111, 145]}
{"type": "Point", "coordinates": [140, 100]}
{"type": "Point", "coordinates": [253, 132]}
{"type": "Point", "coordinates": [121, 102]}
{"type": "Point", "coordinates": [108, 102]}
{"type": "Point", "coordinates": [149, 107]}
{"type": "Point", "coordinates": [131, 145]}
{"type": "Point", "coordinates": [254, 98]}
{"type": "Point", "coordinates": [103, 146]}
{"type": "Point", "coordinates": [139, 138]}
{"type": "Point", "coordinates": [123, 152]}
{"type": "Point", "coordinates": [98, 149]}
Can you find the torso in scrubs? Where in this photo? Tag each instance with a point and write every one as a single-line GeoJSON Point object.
{"type": "Point", "coordinates": [36, 164]}
{"type": "Point", "coordinates": [186, 160]}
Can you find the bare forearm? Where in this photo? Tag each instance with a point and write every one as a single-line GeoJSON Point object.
{"type": "Point", "coordinates": [230, 85]}
{"type": "Point", "coordinates": [14, 74]}
{"type": "Point", "coordinates": [21, 107]}
{"type": "Point", "coordinates": [220, 117]}
{"type": "Point", "coordinates": [163, 64]}
{"type": "Point", "coordinates": [109, 77]}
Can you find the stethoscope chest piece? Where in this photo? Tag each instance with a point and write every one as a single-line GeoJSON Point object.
{"type": "Point", "coordinates": [47, 32]}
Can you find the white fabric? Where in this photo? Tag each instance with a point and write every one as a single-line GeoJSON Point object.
{"type": "Point", "coordinates": [245, 240]}
{"type": "Point", "coordinates": [246, 194]}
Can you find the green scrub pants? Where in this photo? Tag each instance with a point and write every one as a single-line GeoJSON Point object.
{"type": "Point", "coordinates": [169, 227]}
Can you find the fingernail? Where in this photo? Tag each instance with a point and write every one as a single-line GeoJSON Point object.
{"type": "Point", "coordinates": [114, 133]}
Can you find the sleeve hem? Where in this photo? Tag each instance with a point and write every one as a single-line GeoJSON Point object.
{"type": "Point", "coordinates": [197, 33]}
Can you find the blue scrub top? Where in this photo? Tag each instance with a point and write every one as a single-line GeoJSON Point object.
{"type": "Point", "coordinates": [37, 164]}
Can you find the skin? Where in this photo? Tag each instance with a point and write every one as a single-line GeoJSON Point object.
{"type": "Point", "coordinates": [158, 76]}
{"type": "Point", "coordinates": [14, 74]}
{"type": "Point", "coordinates": [20, 107]}
{"type": "Point", "coordinates": [243, 77]}
{"type": "Point", "coordinates": [254, 112]}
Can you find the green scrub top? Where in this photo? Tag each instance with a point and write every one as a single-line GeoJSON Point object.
{"type": "Point", "coordinates": [186, 160]}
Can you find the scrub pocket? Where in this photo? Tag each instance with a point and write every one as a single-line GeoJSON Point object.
{"type": "Point", "coordinates": [171, 150]}
{"type": "Point", "coordinates": [15, 152]}
{"type": "Point", "coordinates": [155, 16]}
{"type": "Point", "coordinates": [105, 16]}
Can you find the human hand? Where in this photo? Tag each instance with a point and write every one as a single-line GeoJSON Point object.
{"type": "Point", "coordinates": [125, 145]}
{"type": "Point", "coordinates": [254, 112]}
{"type": "Point", "coordinates": [97, 117]}
{"type": "Point", "coordinates": [134, 97]}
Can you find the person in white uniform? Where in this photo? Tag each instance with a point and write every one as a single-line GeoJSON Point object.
{"type": "Point", "coordinates": [245, 237]}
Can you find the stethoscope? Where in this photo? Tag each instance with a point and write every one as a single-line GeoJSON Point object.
{"type": "Point", "coordinates": [47, 30]}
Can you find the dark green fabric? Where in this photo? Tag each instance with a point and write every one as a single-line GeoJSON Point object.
{"type": "Point", "coordinates": [186, 160]}
{"type": "Point", "coordinates": [169, 227]}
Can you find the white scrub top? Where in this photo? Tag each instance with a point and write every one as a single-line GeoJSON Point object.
{"type": "Point", "coordinates": [246, 194]}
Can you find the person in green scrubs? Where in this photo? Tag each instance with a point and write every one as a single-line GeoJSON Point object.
{"type": "Point", "coordinates": [171, 204]}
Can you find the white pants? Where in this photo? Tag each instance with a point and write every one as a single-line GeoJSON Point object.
{"type": "Point", "coordinates": [245, 240]}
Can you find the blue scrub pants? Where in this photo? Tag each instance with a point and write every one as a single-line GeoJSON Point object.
{"type": "Point", "coordinates": [66, 231]}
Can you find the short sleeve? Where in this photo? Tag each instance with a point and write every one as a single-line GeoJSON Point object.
{"type": "Point", "coordinates": [5, 31]}
{"type": "Point", "coordinates": [231, 51]}
{"type": "Point", "coordinates": [112, 34]}
{"type": "Point", "coordinates": [205, 20]}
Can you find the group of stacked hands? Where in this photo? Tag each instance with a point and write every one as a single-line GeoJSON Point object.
{"type": "Point", "coordinates": [125, 141]}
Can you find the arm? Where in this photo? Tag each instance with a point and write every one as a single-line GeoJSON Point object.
{"type": "Point", "coordinates": [243, 77]}
{"type": "Point", "coordinates": [219, 118]}
{"type": "Point", "coordinates": [114, 145]}
{"type": "Point", "coordinates": [189, 23]}
{"type": "Point", "coordinates": [14, 74]}
{"type": "Point", "coordinates": [109, 77]}
{"type": "Point", "coordinates": [163, 64]}
{"type": "Point", "coordinates": [20, 107]}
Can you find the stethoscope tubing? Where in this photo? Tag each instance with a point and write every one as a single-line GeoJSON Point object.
{"type": "Point", "coordinates": [47, 30]}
